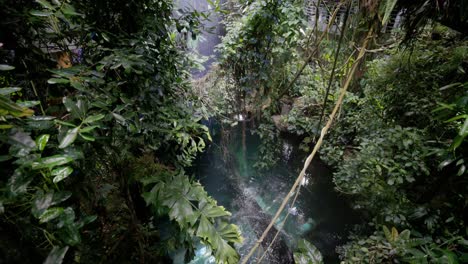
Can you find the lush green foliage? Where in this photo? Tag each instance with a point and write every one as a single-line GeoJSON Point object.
{"type": "Point", "coordinates": [402, 161]}
{"type": "Point", "coordinates": [260, 42]}
{"type": "Point", "coordinates": [69, 136]}
{"type": "Point", "coordinates": [389, 246]}
{"type": "Point", "coordinates": [397, 145]}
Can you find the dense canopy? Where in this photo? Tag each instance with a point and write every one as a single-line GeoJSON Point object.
{"type": "Point", "coordinates": [108, 110]}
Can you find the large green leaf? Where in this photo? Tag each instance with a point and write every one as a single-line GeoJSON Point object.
{"type": "Point", "coordinates": [181, 210]}
{"type": "Point", "coordinates": [307, 253]}
{"type": "Point", "coordinates": [50, 214]}
{"type": "Point", "coordinates": [229, 232]}
{"type": "Point", "coordinates": [174, 196]}
{"type": "Point", "coordinates": [212, 210]}
{"type": "Point", "coordinates": [69, 137]}
{"type": "Point", "coordinates": [207, 231]}
{"type": "Point", "coordinates": [193, 209]}
{"type": "Point", "coordinates": [226, 254]}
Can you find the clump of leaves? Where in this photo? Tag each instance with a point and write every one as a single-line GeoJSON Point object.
{"type": "Point", "coordinates": [390, 246]}
{"type": "Point", "coordinates": [187, 203]}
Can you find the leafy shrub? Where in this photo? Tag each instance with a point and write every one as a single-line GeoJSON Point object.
{"type": "Point", "coordinates": [68, 137]}
{"type": "Point", "coordinates": [379, 172]}
{"type": "Point", "coordinates": [391, 246]}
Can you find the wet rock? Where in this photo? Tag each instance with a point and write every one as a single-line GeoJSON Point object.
{"type": "Point", "coordinates": [286, 105]}
{"type": "Point", "coordinates": [306, 105]}
{"type": "Point", "coordinates": [280, 123]}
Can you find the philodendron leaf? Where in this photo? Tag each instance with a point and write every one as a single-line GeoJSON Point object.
{"type": "Point", "coordinates": [206, 230]}
{"type": "Point", "coordinates": [230, 232]}
{"type": "Point", "coordinates": [56, 255]}
{"type": "Point", "coordinates": [213, 210]}
{"type": "Point", "coordinates": [225, 253]}
{"type": "Point", "coordinates": [69, 137]}
{"type": "Point", "coordinates": [41, 141]}
{"type": "Point", "coordinates": [307, 253]}
{"type": "Point", "coordinates": [61, 173]}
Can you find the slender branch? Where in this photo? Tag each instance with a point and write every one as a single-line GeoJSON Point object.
{"type": "Point", "coordinates": [332, 76]}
